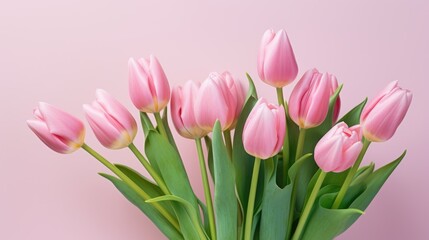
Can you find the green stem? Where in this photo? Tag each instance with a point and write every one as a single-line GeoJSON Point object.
{"type": "Point", "coordinates": [228, 142]}
{"type": "Point", "coordinates": [309, 206]}
{"type": "Point", "coordinates": [160, 125]}
{"type": "Point", "coordinates": [350, 175]}
{"type": "Point", "coordinates": [207, 192]}
{"type": "Point", "coordinates": [131, 184]}
{"type": "Point", "coordinates": [299, 149]}
{"type": "Point", "coordinates": [286, 149]}
{"type": "Point", "coordinates": [149, 168]}
{"type": "Point", "coordinates": [251, 203]}
{"type": "Point", "coordinates": [300, 146]}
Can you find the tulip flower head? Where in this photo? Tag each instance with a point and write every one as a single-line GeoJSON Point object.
{"type": "Point", "coordinates": [182, 111]}
{"type": "Point", "coordinates": [264, 130]}
{"type": "Point", "coordinates": [382, 116]}
{"type": "Point", "coordinates": [309, 100]}
{"type": "Point", "coordinates": [339, 148]}
{"type": "Point", "coordinates": [276, 60]}
{"type": "Point", "coordinates": [238, 91]}
{"type": "Point", "coordinates": [148, 85]}
{"type": "Point", "coordinates": [215, 102]}
{"type": "Point", "coordinates": [59, 130]}
{"type": "Point", "coordinates": [111, 122]}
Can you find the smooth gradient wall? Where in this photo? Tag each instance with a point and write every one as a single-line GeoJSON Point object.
{"type": "Point", "coordinates": [61, 51]}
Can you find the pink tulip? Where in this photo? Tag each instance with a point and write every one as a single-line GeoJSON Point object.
{"type": "Point", "coordinates": [215, 102]}
{"type": "Point", "coordinates": [264, 130]}
{"type": "Point", "coordinates": [309, 100]}
{"type": "Point", "coordinates": [111, 122]}
{"type": "Point", "coordinates": [148, 85]}
{"type": "Point", "coordinates": [182, 111]}
{"type": "Point", "coordinates": [59, 130]}
{"type": "Point", "coordinates": [337, 106]}
{"type": "Point", "coordinates": [276, 60]}
{"type": "Point", "coordinates": [238, 91]}
{"type": "Point", "coordinates": [382, 116]}
{"type": "Point", "coordinates": [339, 148]}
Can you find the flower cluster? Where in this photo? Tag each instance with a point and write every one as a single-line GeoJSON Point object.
{"type": "Point", "coordinates": [299, 143]}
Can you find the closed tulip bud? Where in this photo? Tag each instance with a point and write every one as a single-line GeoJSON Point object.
{"type": "Point", "coordinates": [309, 100]}
{"type": "Point", "coordinates": [59, 130]}
{"type": "Point", "coordinates": [148, 85]}
{"type": "Point", "coordinates": [339, 148]}
{"type": "Point", "coordinates": [215, 102]}
{"type": "Point", "coordinates": [182, 111]}
{"type": "Point", "coordinates": [276, 60]}
{"type": "Point", "coordinates": [382, 116]}
{"type": "Point", "coordinates": [238, 91]}
{"type": "Point", "coordinates": [264, 130]}
{"type": "Point", "coordinates": [111, 122]}
{"type": "Point", "coordinates": [337, 106]}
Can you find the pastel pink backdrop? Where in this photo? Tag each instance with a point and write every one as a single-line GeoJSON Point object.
{"type": "Point", "coordinates": [61, 51]}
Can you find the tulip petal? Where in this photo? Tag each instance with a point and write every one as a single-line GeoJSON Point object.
{"type": "Point", "coordinates": [103, 129]}
{"type": "Point", "coordinates": [61, 123]}
{"type": "Point", "coordinates": [160, 83]}
{"type": "Point", "coordinates": [44, 134]}
{"type": "Point", "coordinates": [280, 58]}
{"type": "Point", "coordinates": [317, 103]}
{"type": "Point", "coordinates": [266, 39]}
{"type": "Point", "coordinates": [349, 157]}
{"type": "Point", "coordinates": [211, 106]}
{"type": "Point", "coordinates": [260, 135]}
{"type": "Point", "coordinates": [139, 87]}
{"type": "Point", "coordinates": [390, 111]}
{"type": "Point", "coordinates": [117, 112]}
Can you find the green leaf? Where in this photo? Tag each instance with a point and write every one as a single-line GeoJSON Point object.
{"type": "Point", "coordinates": [159, 150]}
{"type": "Point", "coordinates": [205, 215]}
{"type": "Point", "coordinates": [146, 123]}
{"type": "Point", "coordinates": [164, 225]}
{"type": "Point", "coordinates": [243, 162]}
{"type": "Point", "coordinates": [374, 182]}
{"type": "Point", "coordinates": [353, 116]}
{"type": "Point", "coordinates": [225, 201]}
{"type": "Point", "coordinates": [275, 208]}
{"type": "Point", "coordinates": [252, 89]}
{"type": "Point", "coordinates": [363, 173]}
{"type": "Point", "coordinates": [326, 223]}
{"type": "Point", "coordinates": [167, 129]}
{"type": "Point", "coordinates": [192, 229]}
{"type": "Point", "coordinates": [256, 223]}
{"type": "Point", "coordinates": [144, 183]}
{"type": "Point", "coordinates": [171, 166]}
{"type": "Point", "coordinates": [332, 179]}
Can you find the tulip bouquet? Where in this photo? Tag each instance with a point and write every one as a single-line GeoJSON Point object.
{"type": "Point", "coordinates": [286, 171]}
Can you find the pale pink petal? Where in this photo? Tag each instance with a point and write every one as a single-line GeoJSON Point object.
{"type": "Point", "coordinates": [117, 111]}
{"type": "Point", "coordinates": [61, 123]}
{"type": "Point", "coordinates": [52, 141]}
{"type": "Point", "coordinates": [103, 129]}
{"type": "Point", "coordinates": [210, 106]}
{"type": "Point", "coordinates": [139, 89]}
{"type": "Point", "coordinates": [160, 83]}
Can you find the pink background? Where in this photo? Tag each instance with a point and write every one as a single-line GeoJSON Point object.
{"type": "Point", "coordinates": [60, 52]}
